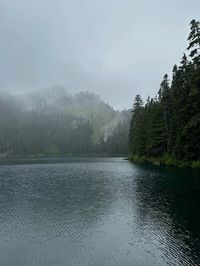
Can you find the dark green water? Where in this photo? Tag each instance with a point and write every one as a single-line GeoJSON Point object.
{"type": "Point", "coordinates": [100, 211]}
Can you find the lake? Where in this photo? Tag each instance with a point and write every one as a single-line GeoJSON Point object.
{"type": "Point", "coordinates": [98, 211]}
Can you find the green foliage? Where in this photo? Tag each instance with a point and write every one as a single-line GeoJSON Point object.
{"type": "Point", "coordinates": [53, 150]}
{"type": "Point", "coordinates": [194, 41]}
{"type": "Point", "coordinates": [117, 142]}
{"type": "Point", "coordinates": [167, 129]}
{"type": "Point", "coordinates": [137, 127]}
{"type": "Point", "coordinates": [55, 125]}
{"type": "Point", "coordinates": [195, 164]}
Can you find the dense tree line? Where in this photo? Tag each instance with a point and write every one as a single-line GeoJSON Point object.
{"type": "Point", "coordinates": [51, 132]}
{"type": "Point", "coordinates": [117, 142]}
{"type": "Point", "coordinates": [169, 124]}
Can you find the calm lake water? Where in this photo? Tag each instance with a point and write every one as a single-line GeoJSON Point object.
{"type": "Point", "coordinates": [98, 211]}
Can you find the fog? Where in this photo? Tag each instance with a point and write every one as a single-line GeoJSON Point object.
{"type": "Point", "coordinates": [110, 47]}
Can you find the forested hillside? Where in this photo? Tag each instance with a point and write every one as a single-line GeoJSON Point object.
{"type": "Point", "coordinates": [168, 126]}
{"type": "Point", "coordinates": [53, 122]}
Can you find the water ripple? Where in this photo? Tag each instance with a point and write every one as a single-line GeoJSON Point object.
{"type": "Point", "coordinates": [100, 211]}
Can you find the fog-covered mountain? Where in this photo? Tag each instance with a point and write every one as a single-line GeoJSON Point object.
{"type": "Point", "coordinates": [83, 106]}
{"type": "Point", "coordinates": [53, 121]}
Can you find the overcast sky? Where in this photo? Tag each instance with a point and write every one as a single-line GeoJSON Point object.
{"type": "Point", "coordinates": [115, 48]}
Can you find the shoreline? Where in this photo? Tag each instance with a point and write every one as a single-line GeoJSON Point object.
{"type": "Point", "coordinates": [58, 159]}
{"type": "Point", "coordinates": [165, 160]}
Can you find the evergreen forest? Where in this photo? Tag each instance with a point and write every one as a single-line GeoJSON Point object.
{"type": "Point", "coordinates": [166, 128]}
{"type": "Point", "coordinates": [51, 122]}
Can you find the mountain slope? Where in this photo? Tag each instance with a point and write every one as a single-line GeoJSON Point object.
{"type": "Point", "coordinates": [52, 122]}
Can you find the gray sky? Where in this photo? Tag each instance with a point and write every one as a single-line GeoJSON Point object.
{"type": "Point", "coordinates": [115, 48]}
